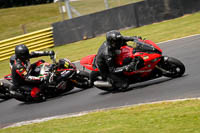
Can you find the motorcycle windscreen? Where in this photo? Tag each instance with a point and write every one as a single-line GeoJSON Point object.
{"type": "Point", "coordinates": [153, 44]}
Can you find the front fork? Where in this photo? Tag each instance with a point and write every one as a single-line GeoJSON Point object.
{"type": "Point", "coordinates": [159, 67]}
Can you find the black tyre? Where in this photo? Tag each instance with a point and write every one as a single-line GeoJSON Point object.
{"type": "Point", "coordinates": [174, 68]}
{"type": "Point", "coordinates": [82, 79]}
{"type": "Point", "coordinates": [24, 94]}
{"type": "Point", "coordinates": [84, 74]}
{"type": "Point", "coordinates": [4, 96]}
{"type": "Point", "coordinates": [27, 98]}
{"type": "Point", "coordinates": [69, 87]}
{"type": "Point", "coordinates": [22, 99]}
{"type": "Point", "coordinates": [4, 90]}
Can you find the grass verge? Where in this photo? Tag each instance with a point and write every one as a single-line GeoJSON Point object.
{"type": "Point", "coordinates": [157, 32]}
{"type": "Point", "coordinates": [165, 117]}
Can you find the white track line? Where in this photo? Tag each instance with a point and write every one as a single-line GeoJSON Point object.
{"type": "Point", "coordinates": [179, 38]}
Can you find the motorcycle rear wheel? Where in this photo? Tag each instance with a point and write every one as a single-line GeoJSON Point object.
{"type": "Point", "coordinates": [174, 67]}
{"type": "Point", "coordinates": [4, 96]}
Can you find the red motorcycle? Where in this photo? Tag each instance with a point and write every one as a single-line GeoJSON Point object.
{"type": "Point", "coordinates": [62, 76]}
{"type": "Point", "coordinates": [152, 64]}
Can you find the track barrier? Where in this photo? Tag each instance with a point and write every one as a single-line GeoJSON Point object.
{"type": "Point", "coordinates": [35, 41]}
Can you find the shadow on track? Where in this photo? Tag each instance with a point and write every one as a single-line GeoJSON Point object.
{"type": "Point", "coordinates": [68, 93]}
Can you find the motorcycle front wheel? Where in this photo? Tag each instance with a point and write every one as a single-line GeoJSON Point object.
{"type": "Point", "coordinates": [174, 68]}
{"type": "Point", "coordinates": [81, 80]}
{"type": "Point", "coordinates": [4, 90]}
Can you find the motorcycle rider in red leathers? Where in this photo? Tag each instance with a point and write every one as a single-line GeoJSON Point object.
{"type": "Point", "coordinates": [105, 60]}
{"type": "Point", "coordinates": [21, 68]}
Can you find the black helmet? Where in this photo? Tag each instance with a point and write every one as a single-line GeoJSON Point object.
{"type": "Point", "coordinates": [114, 39]}
{"type": "Point", "coordinates": [22, 52]}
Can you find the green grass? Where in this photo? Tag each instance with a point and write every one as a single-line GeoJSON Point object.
{"type": "Point", "coordinates": [166, 117]}
{"type": "Point", "coordinates": [179, 27]}
{"type": "Point", "coordinates": [42, 16]}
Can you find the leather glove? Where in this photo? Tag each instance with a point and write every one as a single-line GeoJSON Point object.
{"type": "Point", "coordinates": [119, 37]}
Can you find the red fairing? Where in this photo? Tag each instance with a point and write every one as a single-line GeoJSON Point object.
{"type": "Point", "coordinates": [126, 51]}
{"type": "Point", "coordinates": [87, 62]}
{"type": "Point", "coordinates": [150, 60]}
{"type": "Point", "coordinates": [34, 92]}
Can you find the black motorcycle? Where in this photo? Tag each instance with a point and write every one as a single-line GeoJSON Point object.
{"type": "Point", "coordinates": [61, 77]}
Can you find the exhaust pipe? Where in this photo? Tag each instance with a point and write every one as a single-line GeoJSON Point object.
{"type": "Point", "coordinates": [102, 84]}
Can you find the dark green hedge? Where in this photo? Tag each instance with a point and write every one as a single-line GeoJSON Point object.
{"type": "Point", "coordinates": [16, 3]}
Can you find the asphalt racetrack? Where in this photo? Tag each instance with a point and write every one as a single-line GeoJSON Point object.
{"type": "Point", "coordinates": [188, 86]}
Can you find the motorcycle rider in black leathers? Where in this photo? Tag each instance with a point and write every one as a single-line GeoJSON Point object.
{"type": "Point", "coordinates": [105, 60]}
{"type": "Point", "coordinates": [21, 68]}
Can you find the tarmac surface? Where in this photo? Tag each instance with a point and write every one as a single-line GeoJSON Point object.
{"type": "Point", "coordinates": [186, 49]}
